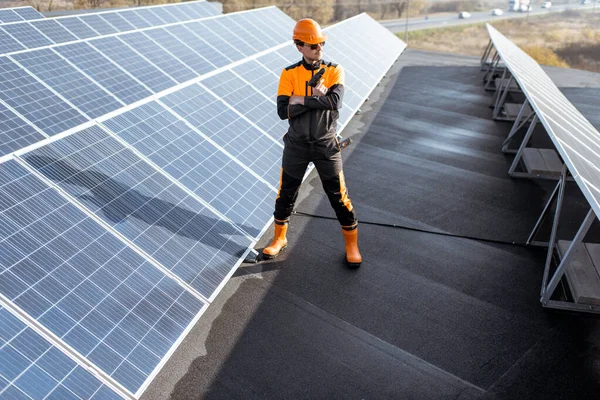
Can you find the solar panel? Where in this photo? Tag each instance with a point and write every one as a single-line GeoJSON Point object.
{"type": "Point", "coordinates": [150, 16]}
{"type": "Point", "coordinates": [232, 35]}
{"type": "Point", "coordinates": [577, 141]}
{"type": "Point", "coordinates": [83, 284]}
{"type": "Point", "coordinates": [247, 100]}
{"type": "Point", "coordinates": [160, 56]}
{"type": "Point", "coordinates": [184, 53]}
{"type": "Point", "coordinates": [81, 91]}
{"type": "Point", "coordinates": [15, 133]}
{"type": "Point", "coordinates": [117, 21]}
{"type": "Point", "coordinates": [229, 130]}
{"type": "Point", "coordinates": [134, 19]}
{"type": "Point", "coordinates": [34, 101]}
{"type": "Point", "coordinates": [8, 44]}
{"type": "Point", "coordinates": [143, 205]}
{"type": "Point", "coordinates": [53, 31]}
{"type": "Point", "coordinates": [209, 53]}
{"type": "Point", "coordinates": [33, 368]}
{"type": "Point", "coordinates": [9, 16]}
{"type": "Point", "coordinates": [132, 62]}
{"type": "Point", "coordinates": [28, 13]}
{"type": "Point", "coordinates": [103, 71]}
{"type": "Point", "coordinates": [200, 165]}
{"type": "Point", "coordinates": [163, 14]}
{"type": "Point", "coordinates": [78, 28]}
{"type": "Point", "coordinates": [201, 30]}
{"type": "Point", "coordinates": [27, 35]}
{"type": "Point", "coordinates": [98, 23]}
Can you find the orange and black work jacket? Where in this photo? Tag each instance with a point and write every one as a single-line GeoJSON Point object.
{"type": "Point", "coordinates": [316, 120]}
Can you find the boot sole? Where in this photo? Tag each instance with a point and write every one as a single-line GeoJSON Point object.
{"type": "Point", "coordinates": [351, 265]}
{"type": "Point", "coordinates": [270, 257]}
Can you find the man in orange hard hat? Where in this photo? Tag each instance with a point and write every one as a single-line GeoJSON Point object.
{"type": "Point", "coordinates": [312, 113]}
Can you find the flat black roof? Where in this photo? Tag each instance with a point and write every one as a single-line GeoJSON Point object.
{"type": "Point", "coordinates": [426, 316]}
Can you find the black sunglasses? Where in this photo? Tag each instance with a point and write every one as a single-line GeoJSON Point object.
{"type": "Point", "coordinates": [315, 46]}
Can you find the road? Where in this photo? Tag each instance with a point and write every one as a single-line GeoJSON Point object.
{"type": "Point", "coordinates": [399, 25]}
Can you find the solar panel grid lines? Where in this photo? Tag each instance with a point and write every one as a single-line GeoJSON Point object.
{"type": "Point", "coordinates": [34, 100]}
{"type": "Point", "coordinates": [34, 366]}
{"type": "Point", "coordinates": [217, 145]}
{"type": "Point", "coordinates": [134, 63]}
{"type": "Point", "coordinates": [15, 131]}
{"type": "Point", "coordinates": [28, 13]}
{"type": "Point", "coordinates": [202, 48]}
{"type": "Point", "coordinates": [249, 101]}
{"type": "Point", "coordinates": [50, 89]}
{"type": "Point", "coordinates": [27, 35]}
{"type": "Point", "coordinates": [175, 181]}
{"type": "Point", "coordinates": [9, 15]}
{"type": "Point", "coordinates": [105, 72]}
{"type": "Point", "coordinates": [159, 56]}
{"type": "Point", "coordinates": [147, 208]}
{"type": "Point", "coordinates": [200, 166]}
{"type": "Point", "coordinates": [216, 50]}
{"type": "Point", "coordinates": [58, 72]}
{"type": "Point", "coordinates": [54, 31]}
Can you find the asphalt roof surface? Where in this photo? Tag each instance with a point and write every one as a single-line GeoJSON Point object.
{"type": "Point", "coordinates": [426, 316]}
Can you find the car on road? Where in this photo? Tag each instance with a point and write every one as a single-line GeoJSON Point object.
{"type": "Point", "coordinates": [525, 8]}
{"type": "Point", "coordinates": [546, 4]}
{"type": "Point", "coordinates": [496, 12]}
{"type": "Point", "coordinates": [464, 15]}
{"type": "Point", "coordinates": [585, 2]}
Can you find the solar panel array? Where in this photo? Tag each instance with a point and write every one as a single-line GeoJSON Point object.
{"type": "Point", "coordinates": [21, 34]}
{"type": "Point", "coordinates": [575, 138]}
{"type": "Point", "coordinates": [19, 14]}
{"type": "Point", "coordinates": [153, 178]}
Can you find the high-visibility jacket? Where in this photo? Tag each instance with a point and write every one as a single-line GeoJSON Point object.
{"type": "Point", "coordinates": [316, 120]}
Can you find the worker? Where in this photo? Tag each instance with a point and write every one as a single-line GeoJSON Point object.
{"type": "Point", "coordinates": [312, 113]}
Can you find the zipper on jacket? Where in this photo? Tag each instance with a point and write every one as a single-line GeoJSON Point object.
{"type": "Point", "coordinates": [310, 115]}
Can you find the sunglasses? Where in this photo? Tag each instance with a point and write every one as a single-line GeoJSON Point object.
{"type": "Point", "coordinates": [315, 46]}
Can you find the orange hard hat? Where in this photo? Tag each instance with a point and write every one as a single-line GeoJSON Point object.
{"type": "Point", "coordinates": [308, 31]}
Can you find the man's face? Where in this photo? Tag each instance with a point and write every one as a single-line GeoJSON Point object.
{"type": "Point", "coordinates": [312, 54]}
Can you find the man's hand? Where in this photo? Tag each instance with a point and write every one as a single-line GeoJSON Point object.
{"type": "Point", "coordinates": [320, 89]}
{"type": "Point", "coordinates": [296, 100]}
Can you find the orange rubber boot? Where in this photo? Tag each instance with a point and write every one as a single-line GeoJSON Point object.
{"type": "Point", "coordinates": [353, 257]}
{"type": "Point", "coordinates": [279, 241]}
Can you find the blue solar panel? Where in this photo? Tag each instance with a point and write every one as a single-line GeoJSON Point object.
{"type": "Point", "coordinates": [32, 368]}
{"type": "Point", "coordinates": [264, 33]}
{"type": "Point", "coordinates": [117, 21]}
{"type": "Point", "coordinates": [36, 103]}
{"type": "Point", "coordinates": [198, 164]}
{"type": "Point", "coordinates": [103, 71]}
{"type": "Point", "coordinates": [99, 24]}
{"type": "Point", "coordinates": [263, 73]}
{"type": "Point", "coordinates": [54, 30]}
{"type": "Point", "coordinates": [229, 130]}
{"type": "Point", "coordinates": [28, 13]}
{"type": "Point", "coordinates": [8, 44]}
{"type": "Point", "coordinates": [136, 65]}
{"type": "Point", "coordinates": [68, 81]}
{"type": "Point", "coordinates": [10, 16]}
{"type": "Point", "coordinates": [148, 15]}
{"type": "Point", "coordinates": [15, 133]}
{"type": "Point", "coordinates": [159, 56]}
{"type": "Point", "coordinates": [200, 30]}
{"type": "Point", "coordinates": [180, 50]}
{"type": "Point", "coordinates": [257, 39]}
{"type": "Point", "coordinates": [164, 14]}
{"type": "Point", "coordinates": [245, 99]}
{"type": "Point", "coordinates": [193, 12]}
{"type": "Point", "coordinates": [79, 281]}
{"type": "Point", "coordinates": [231, 34]}
{"type": "Point", "coordinates": [177, 13]}
{"type": "Point", "coordinates": [133, 18]}
{"type": "Point", "coordinates": [208, 52]}
{"type": "Point", "coordinates": [78, 27]}
{"type": "Point", "coordinates": [144, 206]}
{"type": "Point", "coordinates": [27, 35]}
